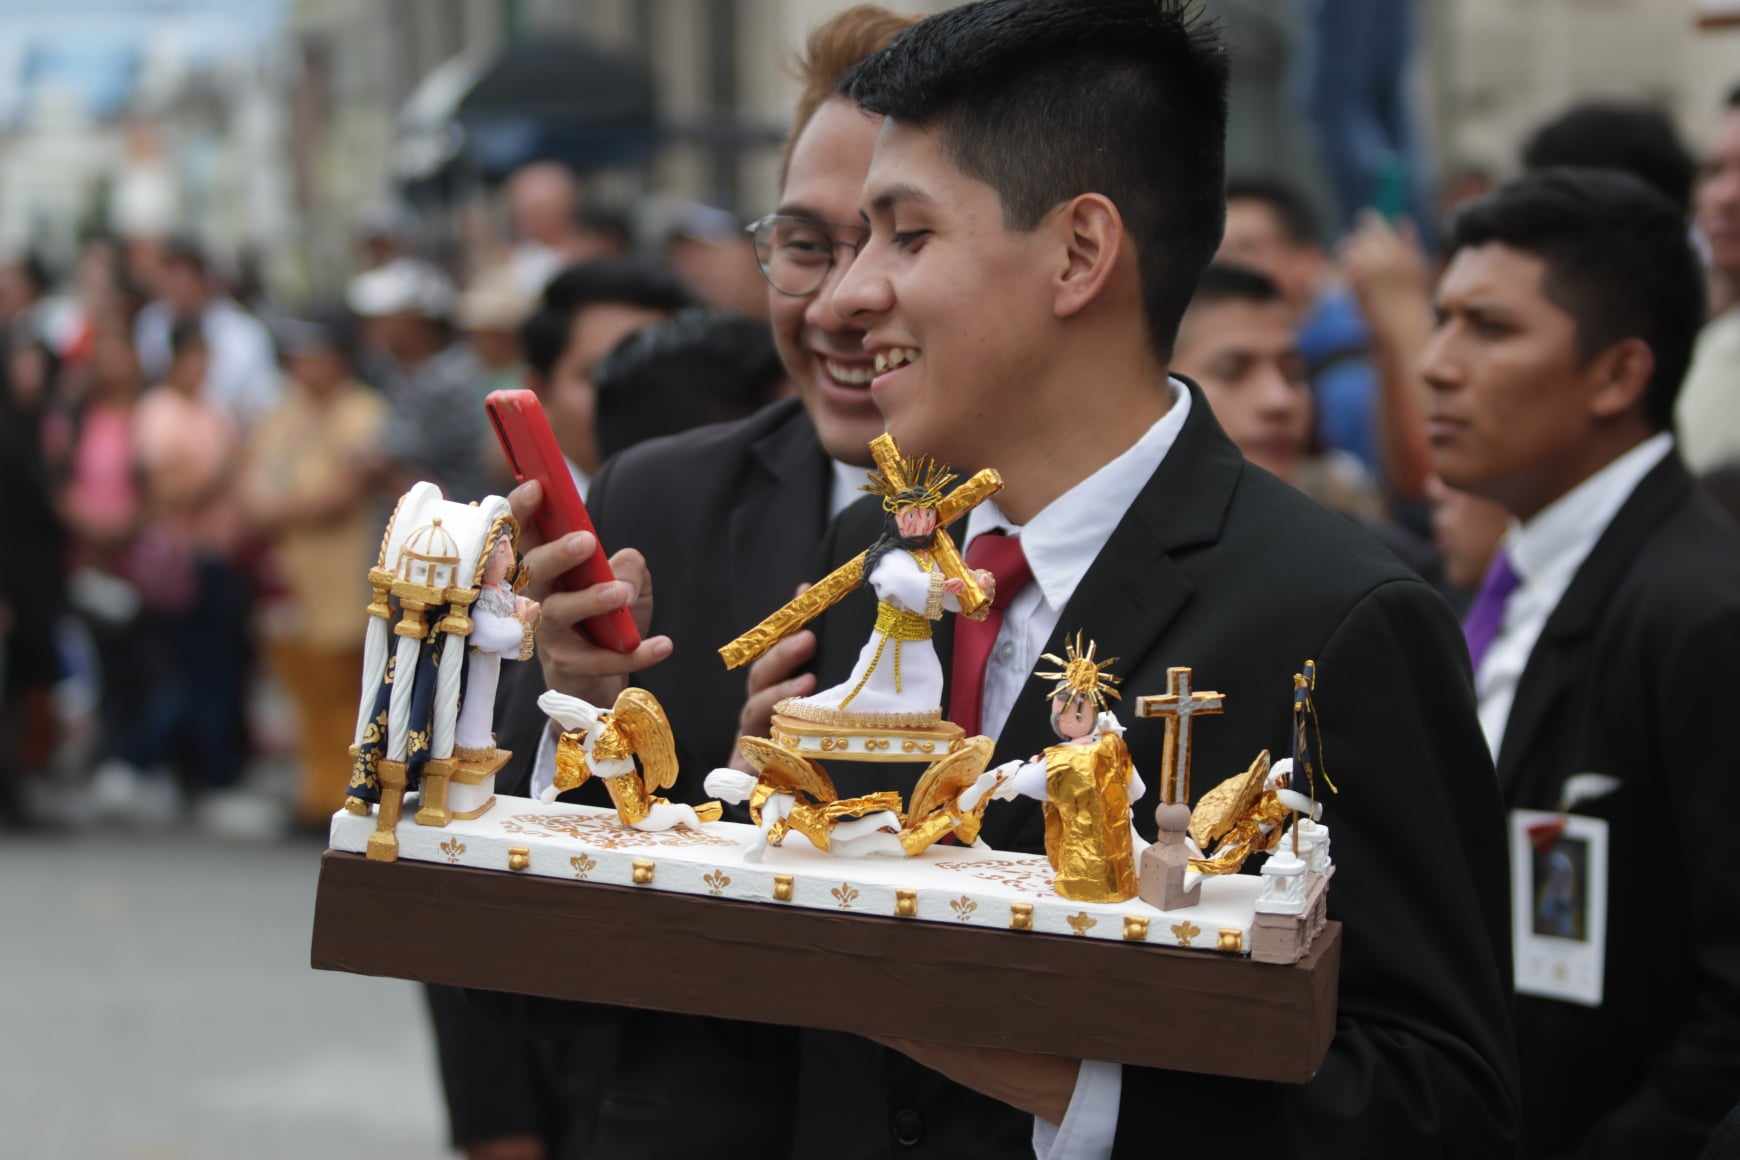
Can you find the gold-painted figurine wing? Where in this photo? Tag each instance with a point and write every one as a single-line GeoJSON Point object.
{"type": "Point", "coordinates": [1221, 807]}
{"type": "Point", "coordinates": [640, 717]}
{"type": "Point", "coordinates": [785, 770]}
{"type": "Point", "coordinates": [944, 781]}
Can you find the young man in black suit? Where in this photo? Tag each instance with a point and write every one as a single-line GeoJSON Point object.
{"type": "Point", "coordinates": [1604, 642]}
{"type": "Point", "coordinates": [712, 528]}
{"type": "Point", "coordinates": [1044, 194]}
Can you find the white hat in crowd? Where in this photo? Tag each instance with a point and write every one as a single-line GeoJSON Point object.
{"type": "Point", "coordinates": [404, 285]}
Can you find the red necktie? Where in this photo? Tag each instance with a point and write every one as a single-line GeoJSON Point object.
{"type": "Point", "coordinates": [1001, 555]}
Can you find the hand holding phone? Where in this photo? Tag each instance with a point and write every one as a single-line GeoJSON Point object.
{"type": "Point", "coordinates": [532, 454]}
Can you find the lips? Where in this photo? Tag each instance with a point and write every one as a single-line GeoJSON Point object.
{"type": "Point", "coordinates": [1442, 429]}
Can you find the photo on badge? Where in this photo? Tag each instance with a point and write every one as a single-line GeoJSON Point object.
{"type": "Point", "coordinates": [1559, 904]}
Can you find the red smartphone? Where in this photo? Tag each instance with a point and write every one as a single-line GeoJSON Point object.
{"type": "Point", "coordinates": [530, 446]}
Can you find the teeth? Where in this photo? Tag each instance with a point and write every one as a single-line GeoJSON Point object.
{"type": "Point", "coordinates": [895, 356]}
{"type": "Point", "coordinates": [847, 373]}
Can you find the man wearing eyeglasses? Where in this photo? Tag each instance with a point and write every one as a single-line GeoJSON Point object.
{"type": "Point", "coordinates": [712, 528]}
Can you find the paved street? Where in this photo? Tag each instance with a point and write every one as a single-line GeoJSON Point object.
{"type": "Point", "coordinates": [157, 1003]}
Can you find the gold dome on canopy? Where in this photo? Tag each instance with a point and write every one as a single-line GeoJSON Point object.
{"type": "Point", "coordinates": [429, 556]}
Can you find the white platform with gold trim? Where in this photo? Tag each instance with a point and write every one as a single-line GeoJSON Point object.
{"type": "Point", "coordinates": [948, 884]}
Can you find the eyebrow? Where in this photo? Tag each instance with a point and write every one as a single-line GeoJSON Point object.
{"type": "Point", "coordinates": [800, 210]}
{"type": "Point", "coordinates": [891, 195]}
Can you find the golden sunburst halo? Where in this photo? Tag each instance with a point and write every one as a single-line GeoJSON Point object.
{"type": "Point", "coordinates": [1079, 673]}
{"type": "Point", "coordinates": [925, 481]}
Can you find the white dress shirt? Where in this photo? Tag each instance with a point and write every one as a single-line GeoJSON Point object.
{"type": "Point", "coordinates": [845, 489]}
{"type": "Point", "coordinates": [1546, 553]}
{"type": "Point", "coordinates": [1061, 543]}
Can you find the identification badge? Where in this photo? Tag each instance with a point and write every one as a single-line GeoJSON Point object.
{"type": "Point", "coordinates": [1559, 904]}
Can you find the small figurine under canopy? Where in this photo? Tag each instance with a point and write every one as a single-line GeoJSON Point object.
{"type": "Point", "coordinates": [442, 589]}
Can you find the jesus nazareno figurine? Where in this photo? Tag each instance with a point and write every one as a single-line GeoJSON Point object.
{"type": "Point", "coordinates": [917, 574]}
{"type": "Point", "coordinates": [898, 680]}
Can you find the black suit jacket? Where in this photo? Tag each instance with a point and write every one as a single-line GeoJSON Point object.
{"type": "Point", "coordinates": [1220, 566]}
{"type": "Point", "coordinates": [729, 518]}
{"type": "Point", "coordinates": [1630, 678]}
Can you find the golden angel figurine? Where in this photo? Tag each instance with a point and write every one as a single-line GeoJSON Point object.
{"type": "Point", "coordinates": [794, 793]}
{"type": "Point", "coordinates": [1246, 814]}
{"type": "Point", "coordinates": [604, 744]}
{"type": "Point", "coordinates": [1087, 783]}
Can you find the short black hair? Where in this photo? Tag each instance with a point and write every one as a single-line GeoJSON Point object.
{"type": "Point", "coordinates": [184, 251]}
{"type": "Point", "coordinates": [1631, 137]}
{"type": "Point", "coordinates": [1286, 200]}
{"type": "Point", "coordinates": [1231, 282]}
{"type": "Point", "coordinates": [1618, 260]}
{"type": "Point", "coordinates": [695, 368]}
{"type": "Point", "coordinates": [610, 281]}
{"type": "Point", "coordinates": [184, 335]}
{"type": "Point", "coordinates": [1044, 100]}
{"type": "Point", "coordinates": [615, 281]}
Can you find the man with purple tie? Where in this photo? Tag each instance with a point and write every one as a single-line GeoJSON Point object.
{"type": "Point", "coordinates": [1604, 640]}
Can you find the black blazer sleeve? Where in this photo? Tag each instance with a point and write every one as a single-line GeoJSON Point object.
{"type": "Point", "coordinates": [1423, 1061]}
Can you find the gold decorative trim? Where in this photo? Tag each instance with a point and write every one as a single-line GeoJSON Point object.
{"type": "Point", "coordinates": [1232, 940]}
{"type": "Point", "coordinates": [782, 887]}
{"type": "Point", "coordinates": [472, 815]}
{"type": "Point", "coordinates": [1185, 931]}
{"type": "Point", "coordinates": [709, 811]}
{"type": "Point", "coordinates": [1082, 922]}
{"type": "Point", "coordinates": [927, 725]}
{"type": "Point", "coordinates": [476, 766]}
{"type": "Point", "coordinates": [643, 871]}
{"type": "Point", "coordinates": [355, 805]}
{"type": "Point", "coordinates": [519, 857]}
{"type": "Point", "coordinates": [1135, 928]}
{"type": "Point", "coordinates": [905, 903]}
{"type": "Point", "coordinates": [1021, 916]}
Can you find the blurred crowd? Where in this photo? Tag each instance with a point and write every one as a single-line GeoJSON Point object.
{"type": "Point", "coordinates": [197, 475]}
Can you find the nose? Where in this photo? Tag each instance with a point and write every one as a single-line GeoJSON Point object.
{"type": "Point", "coordinates": [820, 312]}
{"type": "Point", "coordinates": [1276, 393]}
{"type": "Point", "coordinates": [862, 290]}
{"type": "Point", "coordinates": [1437, 366]}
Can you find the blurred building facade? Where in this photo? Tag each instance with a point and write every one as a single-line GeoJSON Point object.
{"type": "Point", "coordinates": [280, 129]}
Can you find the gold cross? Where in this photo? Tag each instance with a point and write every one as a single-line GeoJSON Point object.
{"type": "Point", "coordinates": [833, 587]}
{"type": "Point", "coordinates": [1178, 705]}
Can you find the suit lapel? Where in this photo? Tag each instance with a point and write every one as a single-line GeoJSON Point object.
{"type": "Point", "coordinates": [779, 513]}
{"type": "Point", "coordinates": [1135, 589]}
{"type": "Point", "coordinates": [1552, 669]}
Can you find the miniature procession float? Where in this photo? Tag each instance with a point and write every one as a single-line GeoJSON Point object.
{"type": "Point", "coordinates": [425, 762]}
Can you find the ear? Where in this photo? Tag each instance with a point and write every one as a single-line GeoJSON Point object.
{"type": "Point", "coordinates": [1620, 377]}
{"type": "Point", "coordinates": [1092, 232]}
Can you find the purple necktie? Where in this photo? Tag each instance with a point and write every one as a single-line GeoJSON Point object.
{"type": "Point", "coordinates": [1486, 615]}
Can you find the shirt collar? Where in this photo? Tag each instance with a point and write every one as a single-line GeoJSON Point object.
{"type": "Point", "coordinates": [848, 486]}
{"type": "Point", "coordinates": [1561, 535]}
{"type": "Point", "coordinates": [1063, 540]}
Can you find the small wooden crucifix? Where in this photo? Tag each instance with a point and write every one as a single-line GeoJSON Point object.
{"type": "Point", "coordinates": [1178, 705]}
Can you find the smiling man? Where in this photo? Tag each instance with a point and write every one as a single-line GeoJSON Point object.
{"type": "Point", "coordinates": [1044, 195]}
{"type": "Point", "coordinates": [1604, 640]}
{"type": "Point", "coordinates": [711, 527]}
